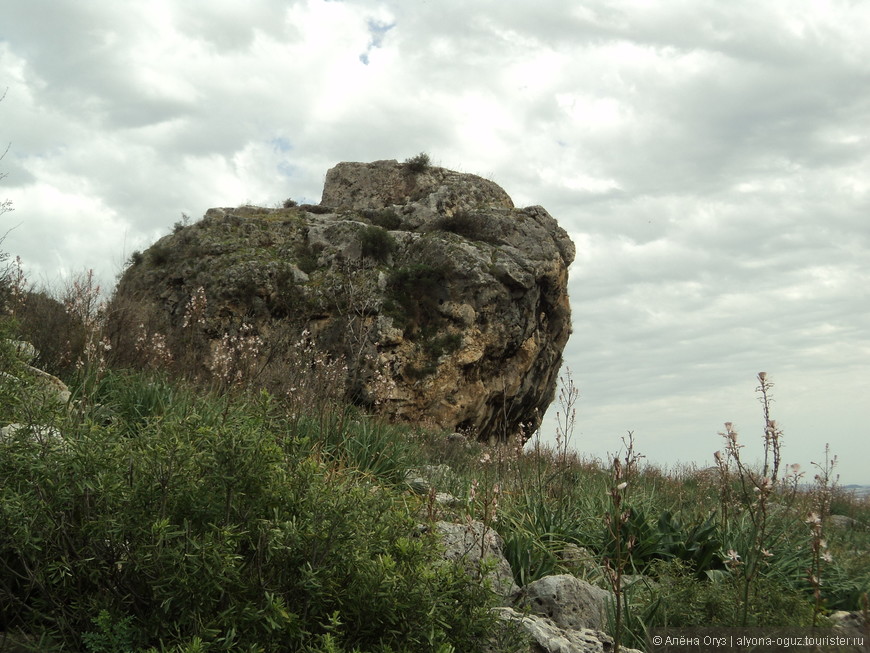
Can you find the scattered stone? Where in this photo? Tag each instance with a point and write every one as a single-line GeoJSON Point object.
{"type": "Point", "coordinates": [550, 638]}
{"type": "Point", "coordinates": [853, 623]}
{"type": "Point", "coordinates": [38, 432]}
{"type": "Point", "coordinates": [24, 350]}
{"type": "Point", "coordinates": [581, 562]}
{"type": "Point", "coordinates": [463, 542]}
{"type": "Point", "coordinates": [842, 521]}
{"type": "Point", "coordinates": [567, 601]}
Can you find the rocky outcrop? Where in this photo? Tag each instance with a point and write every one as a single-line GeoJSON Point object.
{"type": "Point", "coordinates": [444, 302]}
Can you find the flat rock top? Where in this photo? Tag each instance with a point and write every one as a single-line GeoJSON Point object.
{"type": "Point", "coordinates": [380, 184]}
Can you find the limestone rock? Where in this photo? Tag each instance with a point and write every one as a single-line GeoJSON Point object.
{"type": "Point", "coordinates": [567, 601]}
{"type": "Point", "coordinates": [386, 183]}
{"type": "Point", "coordinates": [37, 432]}
{"type": "Point", "coordinates": [463, 542]}
{"type": "Point", "coordinates": [24, 350]}
{"type": "Point", "coordinates": [41, 384]}
{"type": "Point", "coordinates": [446, 304]}
{"type": "Point", "coordinates": [851, 624]}
{"type": "Point", "coordinates": [551, 638]}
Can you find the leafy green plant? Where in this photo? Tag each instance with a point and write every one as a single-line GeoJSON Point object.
{"type": "Point", "coordinates": [377, 243]}
{"type": "Point", "coordinates": [699, 545]}
{"type": "Point", "coordinates": [110, 636]}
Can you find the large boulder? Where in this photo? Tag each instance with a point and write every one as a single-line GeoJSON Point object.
{"type": "Point", "coordinates": [445, 303]}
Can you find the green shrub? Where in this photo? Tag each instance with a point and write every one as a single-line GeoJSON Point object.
{"type": "Point", "coordinates": [685, 602]}
{"type": "Point", "coordinates": [317, 209]}
{"type": "Point", "coordinates": [417, 164]}
{"type": "Point", "coordinates": [377, 243]}
{"type": "Point", "coordinates": [306, 257]}
{"type": "Point", "coordinates": [446, 343]}
{"type": "Point", "coordinates": [463, 223]}
{"type": "Point", "coordinates": [212, 519]}
{"type": "Point", "coordinates": [386, 218]}
{"type": "Point", "coordinates": [159, 255]}
{"type": "Point", "coordinates": [413, 291]}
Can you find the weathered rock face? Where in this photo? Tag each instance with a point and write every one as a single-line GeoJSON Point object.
{"type": "Point", "coordinates": [447, 304]}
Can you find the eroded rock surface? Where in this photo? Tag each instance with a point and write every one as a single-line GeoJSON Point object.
{"type": "Point", "coordinates": [447, 304]}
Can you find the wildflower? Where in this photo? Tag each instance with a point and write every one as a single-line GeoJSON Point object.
{"type": "Point", "coordinates": [472, 493]}
{"type": "Point", "coordinates": [813, 518]}
{"type": "Point", "coordinates": [827, 557]}
{"type": "Point", "coordinates": [622, 485]}
{"type": "Point", "coordinates": [485, 458]}
{"type": "Point", "coordinates": [766, 553]}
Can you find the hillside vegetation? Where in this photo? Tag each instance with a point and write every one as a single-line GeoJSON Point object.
{"type": "Point", "coordinates": [202, 513]}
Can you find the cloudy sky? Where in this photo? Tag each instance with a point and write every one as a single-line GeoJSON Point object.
{"type": "Point", "coordinates": [711, 161]}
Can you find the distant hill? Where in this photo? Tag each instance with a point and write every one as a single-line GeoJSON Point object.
{"type": "Point", "coordinates": [857, 490]}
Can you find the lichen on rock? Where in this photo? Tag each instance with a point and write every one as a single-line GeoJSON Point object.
{"type": "Point", "coordinates": [447, 304]}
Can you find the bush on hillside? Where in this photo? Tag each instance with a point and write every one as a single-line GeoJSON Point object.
{"type": "Point", "coordinates": [181, 517]}
{"type": "Point", "coordinates": [417, 164]}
